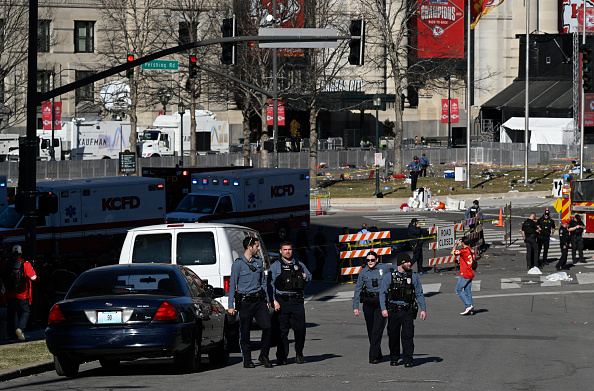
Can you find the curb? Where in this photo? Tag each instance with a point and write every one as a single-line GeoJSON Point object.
{"type": "Point", "coordinates": [26, 370]}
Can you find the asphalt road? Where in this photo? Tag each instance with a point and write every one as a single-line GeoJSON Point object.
{"type": "Point", "coordinates": [527, 333]}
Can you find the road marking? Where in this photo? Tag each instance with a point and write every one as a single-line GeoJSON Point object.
{"type": "Point", "coordinates": [431, 288]}
{"type": "Point", "coordinates": [585, 278]}
{"type": "Point", "coordinates": [510, 283]}
{"type": "Point", "coordinates": [344, 296]}
{"type": "Point", "coordinates": [530, 294]}
{"type": "Point", "coordinates": [476, 286]}
{"type": "Point", "coordinates": [545, 282]}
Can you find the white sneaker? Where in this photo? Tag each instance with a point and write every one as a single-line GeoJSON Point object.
{"type": "Point", "coordinates": [467, 311]}
{"type": "Point", "coordinates": [19, 334]}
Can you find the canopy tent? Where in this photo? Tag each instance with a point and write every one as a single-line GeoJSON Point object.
{"type": "Point", "coordinates": [542, 131]}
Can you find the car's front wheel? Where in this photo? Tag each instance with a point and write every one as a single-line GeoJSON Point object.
{"type": "Point", "coordinates": [109, 363]}
{"type": "Point", "coordinates": [66, 366]}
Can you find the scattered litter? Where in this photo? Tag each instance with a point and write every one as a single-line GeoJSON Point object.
{"type": "Point", "coordinates": [514, 191]}
{"type": "Point", "coordinates": [559, 276]}
{"type": "Point", "coordinates": [534, 270]}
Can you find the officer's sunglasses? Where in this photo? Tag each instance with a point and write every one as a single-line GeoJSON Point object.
{"type": "Point", "coordinates": [371, 259]}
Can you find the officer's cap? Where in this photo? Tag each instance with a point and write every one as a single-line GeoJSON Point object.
{"type": "Point", "coordinates": [475, 202]}
{"type": "Point", "coordinates": [413, 221]}
{"type": "Point", "coordinates": [402, 258]}
{"type": "Point", "coordinates": [416, 158]}
{"type": "Point", "coordinates": [17, 249]}
{"type": "Point", "coordinates": [547, 212]}
{"type": "Point", "coordinates": [565, 221]}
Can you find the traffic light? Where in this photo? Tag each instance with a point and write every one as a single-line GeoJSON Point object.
{"type": "Point", "coordinates": [193, 67]}
{"type": "Point", "coordinates": [357, 45]}
{"type": "Point", "coordinates": [587, 68]}
{"type": "Point", "coordinates": [228, 28]}
{"type": "Point", "coordinates": [130, 71]}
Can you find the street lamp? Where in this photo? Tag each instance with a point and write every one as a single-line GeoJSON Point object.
{"type": "Point", "coordinates": [181, 110]}
{"type": "Point", "coordinates": [449, 111]}
{"type": "Point", "coordinates": [377, 102]}
{"type": "Point", "coordinates": [164, 95]}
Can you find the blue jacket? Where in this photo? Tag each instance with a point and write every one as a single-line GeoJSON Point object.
{"type": "Point", "coordinates": [414, 165]}
{"type": "Point", "coordinates": [424, 161]}
{"type": "Point", "coordinates": [275, 271]}
{"type": "Point", "coordinates": [244, 280]}
{"type": "Point", "coordinates": [418, 291]}
{"type": "Point", "coordinates": [380, 272]}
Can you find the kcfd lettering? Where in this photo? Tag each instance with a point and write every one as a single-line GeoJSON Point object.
{"type": "Point", "coordinates": [119, 203]}
{"type": "Point", "coordinates": [281, 191]}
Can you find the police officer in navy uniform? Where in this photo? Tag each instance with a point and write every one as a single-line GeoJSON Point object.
{"type": "Point", "coordinates": [472, 212]}
{"type": "Point", "coordinates": [247, 295]}
{"type": "Point", "coordinates": [415, 232]}
{"type": "Point", "coordinates": [547, 229]}
{"type": "Point", "coordinates": [397, 301]}
{"type": "Point", "coordinates": [288, 277]}
{"type": "Point", "coordinates": [576, 229]}
{"type": "Point", "coordinates": [415, 169]}
{"type": "Point", "coordinates": [367, 292]}
{"type": "Point", "coordinates": [564, 243]}
{"type": "Point", "coordinates": [530, 231]}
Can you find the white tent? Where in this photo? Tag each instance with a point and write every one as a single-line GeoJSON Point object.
{"type": "Point", "coordinates": [542, 131]}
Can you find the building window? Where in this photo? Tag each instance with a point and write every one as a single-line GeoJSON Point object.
{"type": "Point", "coordinates": [43, 81]}
{"type": "Point", "coordinates": [84, 36]}
{"type": "Point", "coordinates": [186, 31]}
{"type": "Point", "coordinates": [84, 93]}
{"type": "Point", "coordinates": [43, 36]}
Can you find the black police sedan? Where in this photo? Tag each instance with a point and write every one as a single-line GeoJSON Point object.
{"type": "Point", "coordinates": [125, 312]}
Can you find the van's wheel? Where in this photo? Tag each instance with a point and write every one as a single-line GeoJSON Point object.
{"type": "Point", "coordinates": [155, 155]}
{"type": "Point", "coordinates": [66, 366]}
{"type": "Point", "coordinates": [282, 231]}
{"type": "Point", "coordinates": [189, 359]}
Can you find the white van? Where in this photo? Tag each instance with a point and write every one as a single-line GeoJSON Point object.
{"type": "Point", "coordinates": [208, 249]}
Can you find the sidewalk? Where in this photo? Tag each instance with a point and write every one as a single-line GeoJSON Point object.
{"type": "Point", "coordinates": [26, 369]}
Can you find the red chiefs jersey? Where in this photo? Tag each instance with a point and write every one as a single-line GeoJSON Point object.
{"type": "Point", "coordinates": [466, 258]}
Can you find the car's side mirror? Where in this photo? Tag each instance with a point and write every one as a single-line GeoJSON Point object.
{"type": "Point", "coordinates": [218, 292]}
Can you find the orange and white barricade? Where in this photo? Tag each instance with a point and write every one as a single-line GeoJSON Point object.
{"type": "Point", "coordinates": [442, 260]}
{"type": "Point", "coordinates": [355, 253]}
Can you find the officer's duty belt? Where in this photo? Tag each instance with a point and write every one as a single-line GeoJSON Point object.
{"type": "Point", "coordinates": [397, 307]}
{"type": "Point", "coordinates": [287, 296]}
{"type": "Point", "coordinates": [370, 294]}
{"type": "Point", "coordinates": [254, 297]}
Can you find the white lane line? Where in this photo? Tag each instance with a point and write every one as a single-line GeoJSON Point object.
{"type": "Point", "coordinates": [585, 278]}
{"type": "Point", "coordinates": [510, 283]}
{"type": "Point", "coordinates": [545, 282]}
{"type": "Point", "coordinates": [343, 296]}
{"type": "Point", "coordinates": [532, 294]}
{"type": "Point", "coordinates": [476, 286]}
{"type": "Point", "coordinates": [431, 288]}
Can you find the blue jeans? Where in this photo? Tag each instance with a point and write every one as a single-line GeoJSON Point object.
{"type": "Point", "coordinates": [463, 288]}
{"type": "Point", "coordinates": [18, 314]}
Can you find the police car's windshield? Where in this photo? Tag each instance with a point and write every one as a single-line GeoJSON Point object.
{"type": "Point", "coordinates": [197, 204]}
{"type": "Point", "coordinates": [9, 218]}
{"type": "Point", "coordinates": [148, 136]}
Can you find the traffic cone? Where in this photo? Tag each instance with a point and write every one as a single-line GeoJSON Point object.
{"type": "Point", "coordinates": [319, 210]}
{"type": "Point", "coordinates": [500, 223]}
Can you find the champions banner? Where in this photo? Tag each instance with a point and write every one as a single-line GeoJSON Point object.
{"type": "Point", "coordinates": [440, 29]}
{"type": "Point", "coordinates": [445, 112]}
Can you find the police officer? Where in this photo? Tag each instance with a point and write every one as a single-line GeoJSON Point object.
{"type": "Point", "coordinates": [397, 301]}
{"type": "Point", "coordinates": [472, 212]}
{"type": "Point", "coordinates": [247, 295]}
{"type": "Point", "coordinates": [564, 243]}
{"type": "Point", "coordinates": [547, 229]}
{"type": "Point", "coordinates": [288, 279]}
{"type": "Point", "coordinates": [530, 231]}
{"type": "Point", "coordinates": [576, 229]}
{"type": "Point", "coordinates": [424, 164]}
{"type": "Point", "coordinates": [415, 232]}
{"type": "Point", "coordinates": [367, 292]}
{"type": "Point", "coordinates": [415, 168]}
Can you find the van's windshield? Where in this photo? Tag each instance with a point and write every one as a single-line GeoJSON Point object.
{"type": "Point", "coordinates": [149, 136]}
{"type": "Point", "coordinates": [193, 203]}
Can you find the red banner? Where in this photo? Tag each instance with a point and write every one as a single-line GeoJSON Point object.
{"type": "Point", "coordinates": [445, 112]}
{"type": "Point", "coordinates": [589, 110]}
{"type": "Point", "coordinates": [440, 29]}
{"type": "Point", "coordinates": [46, 115]}
{"type": "Point", "coordinates": [280, 112]}
{"type": "Point", "coordinates": [57, 115]}
{"type": "Point", "coordinates": [589, 20]}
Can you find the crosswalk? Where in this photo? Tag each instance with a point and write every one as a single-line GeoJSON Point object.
{"type": "Point", "coordinates": [502, 284]}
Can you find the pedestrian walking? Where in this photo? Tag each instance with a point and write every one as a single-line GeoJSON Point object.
{"type": "Point", "coordinates": [530, 231]}
{"type": "Point", "coordinates": [17, 276]}
{"type": "Point", "coordinates": [565, 244]}
{"type": "Point", "coordinates": [576, 229]}
{"type": "Point", "coordinates": [339, 247]}
{"type": "Point", "coordinates": [289, 277]}
{"type": "Point", "coordinates": [415, 232]}
{"type": "Point", "coordinates": [547, 229]}
{"type": "Point", "coordinates": [364, 242]}
{"type": "Point", "coordinates": [424, 164]}
{"type": "Point", "coordinates": [414, 168]}
{"type": "Point", "coordinates": [367, 292]}
{"type": "Point", "coordinates": [401, 295]}
{"type": "Point", "coordinates": [319, 253]}
{"type": "Point", "coordinates": [472, 212]}
{"type": "Point", "coordinates": [249, 298]}
{"type": "Point", "coordinates": [464, 285]}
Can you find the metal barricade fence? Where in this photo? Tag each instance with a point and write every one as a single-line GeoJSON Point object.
{"type": "Point", "coordinates": [319, 202]}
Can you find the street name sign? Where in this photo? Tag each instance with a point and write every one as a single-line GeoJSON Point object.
{"type": "Point", "coordinates": [166, 65]}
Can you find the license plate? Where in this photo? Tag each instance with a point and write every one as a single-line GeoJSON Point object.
{"type": "Point", "coordinates": [104, 317]}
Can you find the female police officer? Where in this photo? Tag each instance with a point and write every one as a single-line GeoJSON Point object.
{"type": "Point", "coordinates": [367, 292]}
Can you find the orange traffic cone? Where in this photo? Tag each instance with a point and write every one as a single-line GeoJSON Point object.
{"type": "Point", "coordinates": [500, 223]}
{"type": "Point", "coordinates": [319, 210]}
